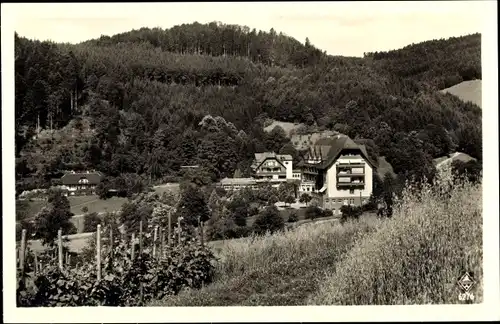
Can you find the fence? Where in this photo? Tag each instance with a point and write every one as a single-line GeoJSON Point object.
{"type": "Point", "coordinates": [161, 241]}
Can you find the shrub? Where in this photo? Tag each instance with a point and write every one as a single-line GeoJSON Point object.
{"type": "Point", "coordinates": [293, 217]}
{"type": "Point", "coordinates": [90, 222]}
{"type": "Point", "coordinates": [312, 212]}
{"type": "Point", "coordinates": [416, 256]}
{"type": "Point", "coordinates": [305, 198]}
{"type": "Point", "coordinates": [350, 212]}
{"type": "Point", "coordinates": [269, 220]}
{"type": "Point", "coordinates": [327, 213]}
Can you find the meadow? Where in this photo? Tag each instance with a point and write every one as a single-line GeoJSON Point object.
{"type": "Point", "coordinates": [415, 257]}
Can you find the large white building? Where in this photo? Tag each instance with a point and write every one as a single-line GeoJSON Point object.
{"type": "Point", "coordinates": [338, 172]}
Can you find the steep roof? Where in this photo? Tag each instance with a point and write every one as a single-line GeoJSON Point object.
{"type": "Point", "coordinates": [328, 150]}
{"type": "Point", "coordinates": [261, 157]}
{"type": "Point", "coordinates": [72, 178]}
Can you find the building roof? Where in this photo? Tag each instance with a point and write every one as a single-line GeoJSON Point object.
{"type": "Point", "coordinates": [238, 181]}
{"type": "Point", "coordinates": [71, 178]}
{"type": "Point", "coordinates": [445, 160]}
{"type": "Point", "coordinates": [328, 149]}
{"type": "Point", "coordinates": [261, 157]}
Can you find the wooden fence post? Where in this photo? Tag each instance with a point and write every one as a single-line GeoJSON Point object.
{"type": "Point", "coordinates": [111, 241]}
{"type": "Point", "coordinates": [132, 251]}
{"type": "Point", "coordinates": [140, 238]}
{"type": "Point", "coordinates": [179, 230]}
{"type": "Point", "coordinates": [141, 289]}
{"type": "Point", "coordinates": [22, 250]}
{"type": "Point", "coordinates": [98, 248]}
{"type": "Point", "coordinates": [60, 248]}
{"type": "Point", "coordinates": [155, 237]}
{"type": "Point", "coordinates": [202, 235]}
{"type": "Point", "coordinates": [169, 228]}
{"type": "Point", "coordinates": [36, 262]}
{"type": "Point", "coordinates": [162, 243]}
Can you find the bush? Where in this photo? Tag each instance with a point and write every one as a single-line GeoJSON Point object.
{"type": "Point", "coordinates": [269, 220]}
{"type": "Point", "coordinates": [327, 213]}
{"type": "Point", "coordinates": [416, 256]}
{"type": "Point", "coordinates": [312, 212]}
{"type": "Point", "coordinates": [350, 212]}
{"type": "Point", "coordinates": [90, 222]}
{"type": "Point", "coordinates": [293, 217]}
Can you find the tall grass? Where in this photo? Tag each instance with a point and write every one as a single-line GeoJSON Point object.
{"type": "Point", "coordinates": [279, 269]}
{"type": "Point", "coordinates": [416, 257]}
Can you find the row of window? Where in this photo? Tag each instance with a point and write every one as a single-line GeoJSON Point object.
{"type": "Point", "coordinates": [349, 201]}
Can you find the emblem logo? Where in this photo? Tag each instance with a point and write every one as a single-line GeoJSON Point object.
{"type": "Point", "coordinates": [466, 282]}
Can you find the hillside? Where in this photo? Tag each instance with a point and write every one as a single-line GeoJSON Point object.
{"type": "Point", "coordinates": [467, 91]}
{"type": "Point", "coordinates": [155, 100]}
{"type": "Point", "coordinates": [369, 264]}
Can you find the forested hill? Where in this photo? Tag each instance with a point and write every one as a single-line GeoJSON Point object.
{"type": "Point", "coordinates": [440, 63]}
{"type": "Point", "coordinates": [147, 102]}
{"type": "Point", "coordinates": [217, 39]}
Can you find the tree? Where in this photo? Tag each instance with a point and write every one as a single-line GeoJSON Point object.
{"type": "Point", "coordinates": [192, 206]}
{"type": "Point", "coordinates": [289, 199]}
{"type": "Point", "coordinates": [90, 222]}
{"type": "Point", "coordinates": [22, 210]}
{"type": "Point", "coordinates": [132, 213]}
{"type": "Point", "coordinates": [269, 220]}
{"type": "Point", "coordinates": [56, 215]}
{"type": "Point", "coordinates": [238, 209]}
{"type": "Point", "coordinates": [305, 198]}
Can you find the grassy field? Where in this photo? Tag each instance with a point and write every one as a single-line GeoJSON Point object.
{"type": "Point", "coordinates": [467, 91]}
{"type": "Point", "coordinates": [94, 204]}
{"type": "Point", "coordinates": [287, 127]}
{"type": "Point", "coordinates": [415, 257]}
{"type": "Point", "coordinates": [276, 269]}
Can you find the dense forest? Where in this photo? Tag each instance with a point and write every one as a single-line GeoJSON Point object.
{"type": "Point", "coordinates": [148, 101]}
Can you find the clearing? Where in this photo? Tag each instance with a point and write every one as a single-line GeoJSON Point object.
{"type": "Point", "coordinates": [467, 91]}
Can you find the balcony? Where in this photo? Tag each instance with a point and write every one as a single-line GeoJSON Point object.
{"type": "Point", "coordinates": [350, 184]}
{"type": "Point", "coordinates": [346, 174]}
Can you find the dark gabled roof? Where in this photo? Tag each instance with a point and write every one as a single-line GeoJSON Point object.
{"type": "Point", "coordinates": [328, 149]}
{"type": "Point", "coordinates": [72, 178]}
{"type": "Point", "coordinates": [261, 157]}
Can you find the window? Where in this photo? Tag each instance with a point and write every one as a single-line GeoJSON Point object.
{"type": "Point", "coordinates": [351, 191]}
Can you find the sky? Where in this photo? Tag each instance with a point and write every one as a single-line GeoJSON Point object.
{"type": "Point", "coordinates": [340, 28]}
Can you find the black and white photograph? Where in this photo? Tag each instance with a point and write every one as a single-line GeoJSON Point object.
{"type": "Point", "coordinates": [290, 155]}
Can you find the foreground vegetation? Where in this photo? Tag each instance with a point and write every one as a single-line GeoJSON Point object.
{"type": "Point", "coordinates": [121, 279]}
{"type": "Point", "coordinates": [281, 269]}
{"type": "Point", "coordinates": [435, 236]}
{"type": "Point", "coordinates": [414, 257]}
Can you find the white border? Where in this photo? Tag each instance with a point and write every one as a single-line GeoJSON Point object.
{"type": "Point", "coordinates": [486, 311]}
